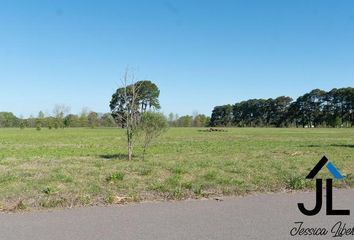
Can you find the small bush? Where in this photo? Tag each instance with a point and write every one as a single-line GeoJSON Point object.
{"type": "Point", "coordinates": [296, 182]}
{"type": "Point", "coordinates": [197, 189]}
{"type": "Point", "coordinates": [118, 176]}
{"type": "Point", "coordinates": [47, 190]}
{"type": "Point", "coordinates": [20, 206]}
{"type": "Point", "coordinates": [53, 202]}
{"type": "Point", "coordinates": [178, 169]}
{"type": "Point", "coordinates": [210, 176]}
{"type": "Point", "coordinates": [145, 171]}
{"type": "Point", "coordinates": [349, 179]}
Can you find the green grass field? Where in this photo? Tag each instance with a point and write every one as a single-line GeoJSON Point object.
{"type": "Point", "coordinates": [75, 167]}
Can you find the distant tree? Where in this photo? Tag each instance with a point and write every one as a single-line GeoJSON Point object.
{"type": "Point", "coordinates": [72, 120]}
{"type": "Point", "coordinates": [309, 108]}
{"type": "Point", "coordinates": [22, 124]}
{"type": "Point", "coordinates": [107, 120]}
{"type": "Point", "coordinates": [93, 120]}
{"type": "Point", "coordinates": [41, 115]}
{"type": "Point", "coordinates": [148, 95]}
{"type": "Point", "coordinates": [343, 104]}
{"type": "Point", "coordinates": [40, 121]}
{"type": "Point", "coordinates": [8, 119]}
{"type": "Point", "coordinates": [60, 111]}
{"type": "Point", "coordinates": [314, 109]}
{"type": "Point", "coordinates": [200, 120]}
{"type": "Point", "coordinates": [83, 117]}
{"type": "Point", "coordinates": [171, 119]}
{"type": "Point", "coordinates": [52, 123]}
{"type": "Point", "coordinates": [185, 121]}
{"type": "Point", "coordinates": [222, 116]}
{"type": "Point", "coordinates": [280, 108]}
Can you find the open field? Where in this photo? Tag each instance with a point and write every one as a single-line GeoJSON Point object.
{"type": "Point", "coordinates": [74, 167]}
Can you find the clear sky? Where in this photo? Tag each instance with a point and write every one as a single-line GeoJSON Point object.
{"type": "Point", "coordinates": [200, 53]}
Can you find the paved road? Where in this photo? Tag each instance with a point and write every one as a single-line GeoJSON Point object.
{"type": "Point", "coordinates": [254, 217]}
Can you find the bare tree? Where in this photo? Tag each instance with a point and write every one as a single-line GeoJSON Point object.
{"type": "Point", "coordinates": [60, 110]}
{"type": "Point", "coordinates": [129, 103]}
{"type": "Point", "coordinates": [132, 117]}
{"type": "Point", "coordinates": [125, 108]}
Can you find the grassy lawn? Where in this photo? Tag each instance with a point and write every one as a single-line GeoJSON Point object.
{"type": "Point", "coordinates": [74, 167]}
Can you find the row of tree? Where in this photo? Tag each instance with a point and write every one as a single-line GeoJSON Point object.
{"type": "Point", "coordinates": [90, 119]}
{"type": "Point", "coordinates": [197, 120]}
{"type": "Point", "coordinates": [317, 108]}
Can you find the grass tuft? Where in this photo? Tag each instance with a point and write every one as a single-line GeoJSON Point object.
{"type": "Point", "coordinates": [118, 176]}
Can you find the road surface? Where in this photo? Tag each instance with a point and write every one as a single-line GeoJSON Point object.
{"type": "Point", "coordinates": [265, 216]}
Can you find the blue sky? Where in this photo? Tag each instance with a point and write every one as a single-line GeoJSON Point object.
{"type": "Point", "coordinates": [200, 53]}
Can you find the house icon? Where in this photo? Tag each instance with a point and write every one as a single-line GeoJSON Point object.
{"type": "Point", "coordinates": [330, 167]}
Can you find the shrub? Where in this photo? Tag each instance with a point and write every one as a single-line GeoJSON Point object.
{"type": "Point", "coordinates": [118, 176]}
{"type": "Point", "coordinates": [296, 182]}
{"type": "Point", "coordinates": [152, 125]}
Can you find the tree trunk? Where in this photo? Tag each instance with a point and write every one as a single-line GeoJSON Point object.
{"type": "Point", "coordinates": [144, 151]}
{"type": "Point", "coordinates": [130, 152]}
{"type": "Point", "coordinates": [130, 144]}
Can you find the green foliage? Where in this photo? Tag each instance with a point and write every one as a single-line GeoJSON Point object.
{"type": "Point", "coordinates": [107, 120]}
{"type": "Point", "coordinates": [118, 176]}
{"type": "Point", "coordinates": [296, 182]}
{"type": "Point", "coordinates": [145, 171]}
{"type": "Point", "coordinates": [151, 125]}
{"type": "Point", "coordinates": [198, 120]}
{"type": "Point", "coordinates": [129, 103]}
{"type": "Point", "coordinates": [146, 96]}
{"type": "Point", "coordinates": [314, 109]}
{"type": "Point", "coordinates": [109, 198]}
{"type": "Point", "coordinates": [20, 206]}
{"type": "Point", "coordinates": [47, 190]}
{"type": "Point", "coordinates": [22, 125]}
{"type": "Point", "coordinates": [338, 122]}
{"type": "Point", "coordinates": [222, 116]}
{"type": "Point", "coordinates": [185, 121]}
{"type": "Point", "coordinates": [93, 120]}
{"type": "Point", "coordinates": [8, 119]}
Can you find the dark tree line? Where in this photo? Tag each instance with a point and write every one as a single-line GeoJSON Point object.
{"type": "Point", "coordinates": [317, 108]}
